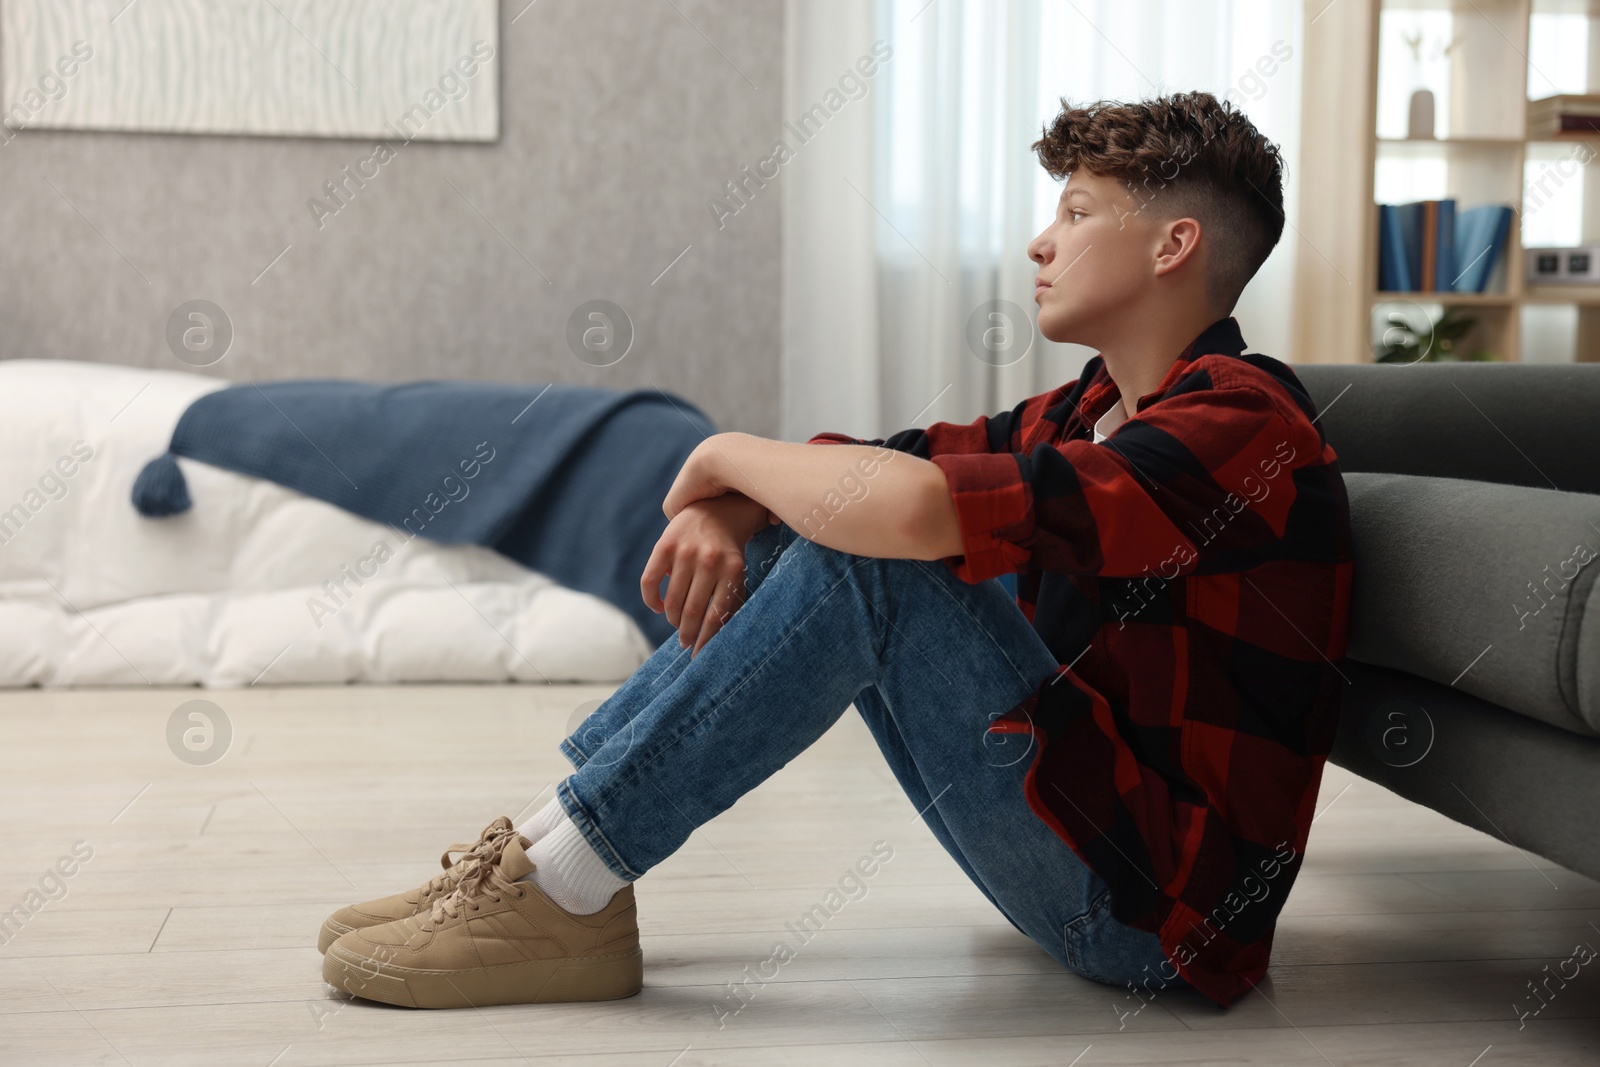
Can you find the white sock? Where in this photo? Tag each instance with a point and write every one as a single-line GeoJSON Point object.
{"type": "Point", "coordinates": [569, 871]}
{"type": "Point", "coordinates": [543, 821]}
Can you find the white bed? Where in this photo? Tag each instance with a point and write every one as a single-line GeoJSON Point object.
{"type": "Point", "coordinates": [255, 584]}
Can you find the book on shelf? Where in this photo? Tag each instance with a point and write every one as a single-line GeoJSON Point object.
{"type": "Point", "coordinates": [1430, 246]}
{"type": "Point", "coordinates": [1448, 264]}
{"type": "Point", "coordinates": [1568, 114]}
{"type": "Point", "coordinates": [1481, 234]}
{"type": "Point", "coordinates": [1394, 270]}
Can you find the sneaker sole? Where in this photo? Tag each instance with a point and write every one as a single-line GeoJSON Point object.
{"type": "Point", "coordinates": [331, 932]}
{"type": "Point", "coordinates": [610, 977]}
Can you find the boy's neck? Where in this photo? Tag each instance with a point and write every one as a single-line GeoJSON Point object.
{"type": "Point", "coordinates": [1137, 361]}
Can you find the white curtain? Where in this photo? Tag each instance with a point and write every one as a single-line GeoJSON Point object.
{"type": "Point", "coordinates": [909, 210]}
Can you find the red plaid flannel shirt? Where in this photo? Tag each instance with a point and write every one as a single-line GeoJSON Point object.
{"type": "Point", "coordinates": [1191, 574]}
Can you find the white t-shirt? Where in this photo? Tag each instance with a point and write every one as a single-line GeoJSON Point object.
{"type": "Point", "coordinates": [1113, 418]}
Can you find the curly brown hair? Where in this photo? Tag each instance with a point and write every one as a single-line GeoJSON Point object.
{"type": "Point", "coordinates": [1188, 155]}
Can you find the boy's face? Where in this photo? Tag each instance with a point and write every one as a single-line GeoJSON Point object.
{"type": "Point", "coordinates": [1096, 259]}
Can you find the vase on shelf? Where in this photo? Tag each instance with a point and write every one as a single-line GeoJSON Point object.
{"type": "Point", "coordinates": [1419, 125]}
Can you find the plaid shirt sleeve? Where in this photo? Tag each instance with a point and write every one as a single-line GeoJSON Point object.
{"type": "Point", "coordinates": [986, 433]}
{"type": "Point", "coordinates": [1211, 455]}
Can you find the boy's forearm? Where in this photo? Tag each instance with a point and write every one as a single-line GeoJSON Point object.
{"type": "Point", "coordinates": [863, 499]}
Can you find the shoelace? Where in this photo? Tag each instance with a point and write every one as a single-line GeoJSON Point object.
{"type": "Point", "coordinates": [483, 879]}
{"type": "Point", "coordinates": [472, 855]}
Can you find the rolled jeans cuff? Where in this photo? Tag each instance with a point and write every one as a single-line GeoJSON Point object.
{"type": "Point", "coordinates": [591, 833]}
{"type": "Point", "coordinates": [573, 754]}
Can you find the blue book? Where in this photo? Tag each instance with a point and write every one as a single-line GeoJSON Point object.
{"type": "Point", "coordinates": [1445, 250]}
{"type": "Point", "coordinates": [1394, 274]}
{"type": "Point", "coordinates": [1411, 217]}
{"type": "Point", "coordinates": [1497, 243]}
{"type": "Point", "coordinates": [1480, 236]}
{"type": "Point", "coordinates": [1472, 240]}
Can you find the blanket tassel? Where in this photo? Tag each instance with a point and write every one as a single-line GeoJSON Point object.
{"type": "Point", "coordinates": [160, 489]}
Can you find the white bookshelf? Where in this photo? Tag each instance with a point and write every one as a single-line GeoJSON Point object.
{"type": "Point", "coordinates": [1356, 153]}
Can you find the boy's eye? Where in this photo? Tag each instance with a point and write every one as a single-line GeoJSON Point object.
{"type": "Point", "coordinates": [1076, 212]}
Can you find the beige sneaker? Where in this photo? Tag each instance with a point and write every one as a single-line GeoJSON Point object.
{"type": "Point", "coordinates": [493, 940]}
{"type": "Point", "coordinates": [401, 905]}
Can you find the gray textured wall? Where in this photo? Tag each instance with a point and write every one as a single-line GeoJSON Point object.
{"type": "Point", "coordinates": [620, 119]}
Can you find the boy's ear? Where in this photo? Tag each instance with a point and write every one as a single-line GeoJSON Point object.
{"type": "Point", "coordinates": [1180, 243]}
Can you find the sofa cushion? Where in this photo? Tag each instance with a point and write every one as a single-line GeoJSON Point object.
{"type": "Point", "coordinates": [1512, 423]}
{"type": "Point", "coordinates": [1486, 587]}
{"type": "Point", "coordinates": [1526, 783]}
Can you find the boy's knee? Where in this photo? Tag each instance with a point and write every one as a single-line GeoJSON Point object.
{"type": "Point", "coordinates": [770, 548]}
{"type": "Point", "coordinates": [761, 553]}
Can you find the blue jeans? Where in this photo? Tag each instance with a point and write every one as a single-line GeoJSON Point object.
{"type": "Point", "coordinates": [927, 659]}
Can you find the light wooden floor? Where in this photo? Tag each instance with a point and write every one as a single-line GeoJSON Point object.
{"type": "Point", "coordinates": [188, 938]}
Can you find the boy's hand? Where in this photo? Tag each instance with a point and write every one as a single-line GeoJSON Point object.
{"type": "Point", "coordinates": [702, 549]}
{"type": "Point", "coordinates": [698, 478]}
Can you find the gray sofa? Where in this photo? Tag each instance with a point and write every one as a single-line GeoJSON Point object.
{"type": "Point", "coordinates": [1475, 624]}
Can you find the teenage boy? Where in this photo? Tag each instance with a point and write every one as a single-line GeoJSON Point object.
{"type": "Point", "coordinates": [1124, 758]}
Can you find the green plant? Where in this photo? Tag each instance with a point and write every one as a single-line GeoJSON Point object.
{"type": "Point", "coordinates": [1404, 343]}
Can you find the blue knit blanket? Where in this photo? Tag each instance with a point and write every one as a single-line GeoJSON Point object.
{"type": "Point", "coordinates": [566, 480]}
